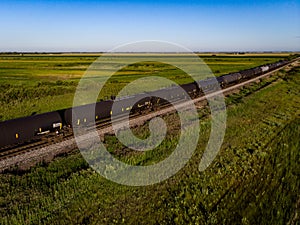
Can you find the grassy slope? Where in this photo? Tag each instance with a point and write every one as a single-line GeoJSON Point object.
{"type": "Point", "coordinates": [41, 83]}
{"type": "Point", "coordinates": [253, 180]}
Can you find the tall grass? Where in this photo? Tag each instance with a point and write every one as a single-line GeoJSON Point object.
{"type": "Point", "coordinates": [253, 180]}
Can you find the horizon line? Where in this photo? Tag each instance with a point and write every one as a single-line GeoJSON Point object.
{"type": "Point", "coordinates": [148, 52]}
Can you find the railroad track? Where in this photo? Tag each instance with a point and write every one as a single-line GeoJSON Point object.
{"type": "Point", "coordinates": [12, 151]}
{"type": "Point", "coordinates": [105, 124]}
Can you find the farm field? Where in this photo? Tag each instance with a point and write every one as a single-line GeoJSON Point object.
{"type": "Point", "coordinates": [150, 112]}
{"type": "Point", "coordinates": [253, 180]}
{"type": "Point", "coordinates": [37, 83]}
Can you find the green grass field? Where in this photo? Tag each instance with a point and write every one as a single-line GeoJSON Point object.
{"type": "Point", "coordinates": [253, 180]}
{"type": "Point", "coordinates": [37, 83]}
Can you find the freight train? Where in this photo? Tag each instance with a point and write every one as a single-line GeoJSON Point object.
{"type": "Point", "coordinates": [21, 130]}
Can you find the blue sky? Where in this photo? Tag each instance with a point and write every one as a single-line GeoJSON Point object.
{"type": "Point", "coordinates": [198, 25]}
